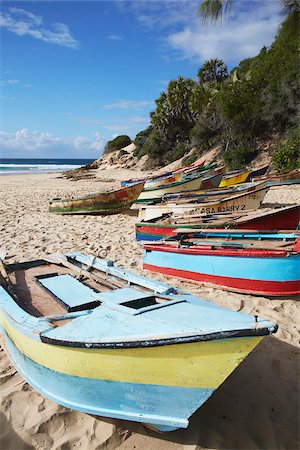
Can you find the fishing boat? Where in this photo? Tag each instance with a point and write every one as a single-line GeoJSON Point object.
{"type": "Point", "coordinates": [235, 177]}
{"type": "Point", "coordinates": [155, 181]}
{"type": "Point", "coordinates": [161, 181]}
{"type": "Point", "coordinates": [238, 202]}
{"type": "Point", "coordinates": [257, 172]}
{"type": "Point", "coordinates": [286, 218]}
{"type": "Point", "coordinates": [99, 339]}
{"type": "Point", "coordinates": [156, 194]}
{"type": "Point", "coordinates": [241, 261]}
{"type": "Point", "coordinates": [213, 194]}
{"type": "Point", "coordinates": [292, 177]}
{"type": "Point", "coordinates": [100, 203]}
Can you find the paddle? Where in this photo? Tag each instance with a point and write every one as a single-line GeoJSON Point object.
{"type": "Point", "coordinates": [60, 258]}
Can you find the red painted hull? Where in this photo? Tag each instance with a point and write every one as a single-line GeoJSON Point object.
{"type": "Point", "coordinates": [279, 220]}
{"type": "Point", "coordinates": [257, 287]}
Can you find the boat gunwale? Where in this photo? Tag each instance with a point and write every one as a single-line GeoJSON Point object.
{"type": "Point", "coordinates": [198, 250]}
{"type": "Point", "coordinates": [32, 326]}
{"type": "Point", "coordinates": [232, 334]}
{"type": "Point", "coordinates": [96, 194]}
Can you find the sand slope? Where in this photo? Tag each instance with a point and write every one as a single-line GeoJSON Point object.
{"type": "Point", "coordinates": [256, 408]}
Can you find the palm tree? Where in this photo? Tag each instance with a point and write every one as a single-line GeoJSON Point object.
{"type": "Point", "coordinates": [214, 70]}
{"type": "Point", "coordinates": [214, 10]}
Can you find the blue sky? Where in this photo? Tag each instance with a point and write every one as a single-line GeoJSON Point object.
{"type": "Point", "coordinates": [76, 74]}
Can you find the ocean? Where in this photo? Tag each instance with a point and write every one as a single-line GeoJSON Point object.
{"type": "Point", "coordinates": [20, 166]}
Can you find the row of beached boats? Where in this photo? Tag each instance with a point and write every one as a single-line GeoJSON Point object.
{"type": "Point", "coordinates": [102, 340]}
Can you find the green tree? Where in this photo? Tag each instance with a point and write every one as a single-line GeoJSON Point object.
{"type": "Point", "coordinates": [215, 10]}
{"type": "Point", "coordinates": [213, 71]}
{"type": "Point", "coordinates": [117, 143]}
{"type": "Point", "coordinates": [173, 117]}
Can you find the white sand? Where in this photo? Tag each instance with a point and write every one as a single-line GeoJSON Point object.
{"type": "Point", "coordinates": [256, 408]}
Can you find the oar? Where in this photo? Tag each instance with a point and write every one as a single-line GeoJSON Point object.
{"type": "Point", "coordinates": [60, 258]}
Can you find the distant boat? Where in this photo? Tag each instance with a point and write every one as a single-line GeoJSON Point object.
{"type": "Point", "coordinates": [149, 353]}
{"type": "Point", "coordinates": [236, 177]}
{"type": "Point", "coordinates": [292, 177]}
{"type": "Point", "coordinates": [156, 194]}
{"type": "Point", "coordinates": [213, 194]}
{"type": "Point", "coordinates": [258, 172]}
{"type": "Point", "coordinates": [248, 262]}
{"type": "Point", "coordinates": [100, 203]}
{"type": "Point", "coordinates": [238, 202]}
{"type": "Point", "coordinates": [242, 176]}
{"type": "Point", "coordinates": [286, 218]}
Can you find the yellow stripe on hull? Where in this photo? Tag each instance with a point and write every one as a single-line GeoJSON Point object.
{"type": "Point", "coordinates": [237, 179]}
{"type": "Point", "coordinates": [194, 365]}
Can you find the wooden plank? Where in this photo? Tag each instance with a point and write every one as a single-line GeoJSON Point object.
{"type": "Point", "coordinates": [70, 292]}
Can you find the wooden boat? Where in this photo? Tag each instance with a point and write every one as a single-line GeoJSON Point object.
{"type": "Point", "coordinates": [238, 202]}
{"type": "Point", "coordinates": [236, 177]}
{"type": "Point", "coordinates": [101, 203]}
{"type": "Point", "coordinates": [213, 194]}
{"type": "Point", "coordinates": [245, 262]}
{"type": "Point", "coordinates": [155, 194]}
{"type": "Point", "coordinates": [161, 181]}
{"type": "Point", "coordinates": [257, 172]}
{"type": "Point", "coordinates": [281, 178]}
{"type": "Point", "coordinates": [155, 181]}
{"type": "Point", "coordinates": [147, 353]}
{"type": "Point", "coordinates": [286, 218]}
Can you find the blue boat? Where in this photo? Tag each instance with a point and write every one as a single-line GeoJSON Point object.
{"type": "Point", "coordinates": [99, 339]}
{"type": "Point", "coordinates": [259, 263]}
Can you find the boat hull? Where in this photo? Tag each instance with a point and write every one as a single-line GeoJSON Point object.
{"type": "Point", "coordinates": [287, 219]}
{"type": "Point", "coordinates": [239, 202]}
{"type": "Point", "coordinates": [235, 179]}
{"type": "Point", "coordinates": [250, 273]}
{"type": "Point", "coordinates": [156, 194]}
{"type": "Point", "coordinates": [161, 386]}
{"type": "Point", "coordinates": [102, 203]}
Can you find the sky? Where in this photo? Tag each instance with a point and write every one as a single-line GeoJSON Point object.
{"type": "Point", "coordinates": [75, 74]}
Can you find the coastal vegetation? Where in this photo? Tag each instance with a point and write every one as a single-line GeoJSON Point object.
{"type": "Point", "coordinates": [255, 100]}
{"type": "Point", "coordinates": [117, 143]}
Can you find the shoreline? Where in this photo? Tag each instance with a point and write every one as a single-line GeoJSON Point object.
{"type": "Point", "coordinates": [254, 408]}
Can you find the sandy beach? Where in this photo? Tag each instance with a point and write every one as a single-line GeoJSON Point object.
{"type": "Point", "coordinates": [257, 407]}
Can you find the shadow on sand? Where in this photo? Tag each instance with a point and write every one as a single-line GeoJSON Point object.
{"type": "Point", "coordinates": [9, 439]}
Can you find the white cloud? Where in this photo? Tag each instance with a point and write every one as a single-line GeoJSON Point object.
{"type": "Point", "coordinates": [182, 34]}
{"type": "Point", "coordinates": [232, 41]}
{"type": "Point", "coordinates": [115, 37]}
{"type": "Point", "coordinates": [10, 82]}
{"type": "Point", "coordinates": [22, 23]}
{"type": "Point", "coordinates": [35, 143]}
{"type": "Point", "coordinates": [120, 125]}
{"type": "Point", "coordinates": [129, 104]}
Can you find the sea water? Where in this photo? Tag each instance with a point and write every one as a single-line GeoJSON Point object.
{"type": "Point", "coordinates": [20, 166]}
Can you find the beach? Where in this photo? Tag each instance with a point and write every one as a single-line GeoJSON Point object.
{"type": "Point", "coordinates": [257, 407]}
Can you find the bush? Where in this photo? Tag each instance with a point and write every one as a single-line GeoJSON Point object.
{"type": "Point", "coordinates": [175, 153]}
{"type": "Point", "coordinates": [139, 141]}
{"type": "Point", "coordinates": [237, 157]}
{"type": "Point", "coordinates": [190, 159]}
{"type": "Point", "coordinates": [287, 156]}
{"type": "Point", "coordinates": [117, 143]}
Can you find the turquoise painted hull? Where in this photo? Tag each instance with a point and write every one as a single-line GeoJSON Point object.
{"type": "Point", "coordinates": [257, 275]}
{"type": "Point", "coordinates": [165, 407]}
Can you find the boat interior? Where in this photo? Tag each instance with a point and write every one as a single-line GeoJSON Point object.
{"type": "Point", "coordinates": [47, 289]}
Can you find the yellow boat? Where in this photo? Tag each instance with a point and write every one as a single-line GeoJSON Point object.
{"type": "Point", "coordinates": [236, 177]}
